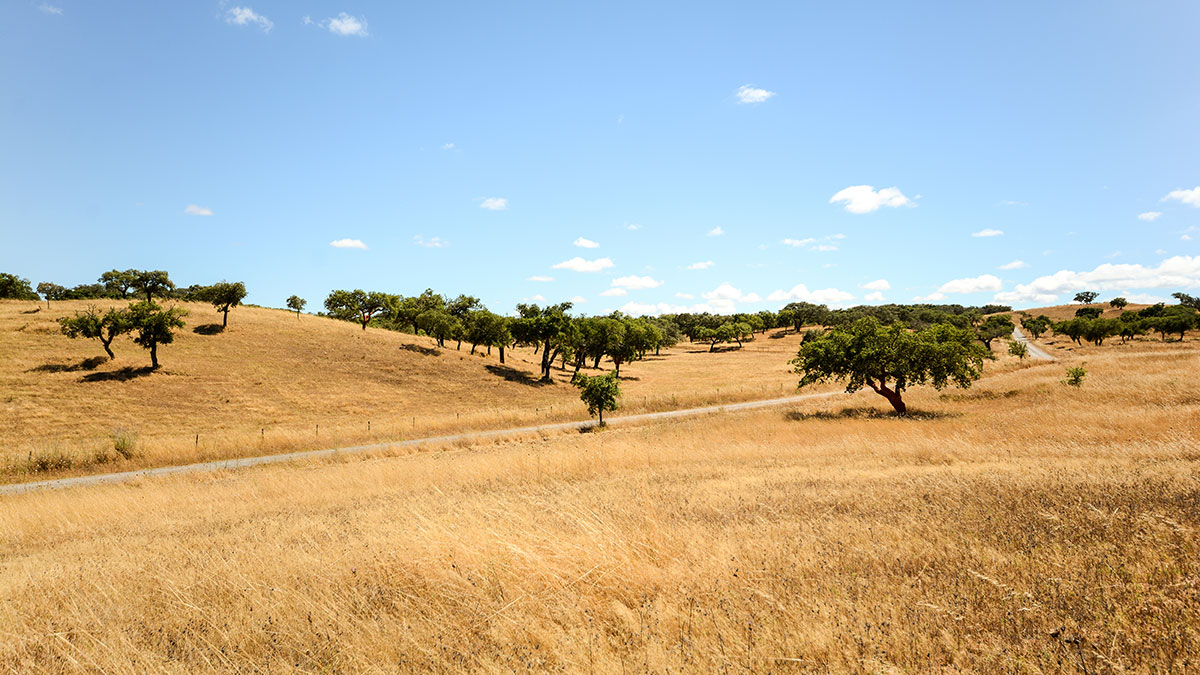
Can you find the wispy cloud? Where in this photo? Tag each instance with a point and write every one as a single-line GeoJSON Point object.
{"type": "Point", "coordinates": [1149, 216]}
{"type": "Point", "coordinates": [877, 285]}
{"type": "Point", "coordinates": [1190, 197]}
{"type": "Point", "coordinates": [346, 25]}
{"type": "Point", "coordinates": [194, 210]}
{"type": "Point", "coordinates": [796, 243]}
{"type": "Point", "coordinates": [979, 284]}
{"type": "Point", "coordinates": [578, 264]}
{"type": "Point", "coordinates": [50, 9]}
{"type": "Point", "coordinates": [1172, 273]}
{"type": "Point", "coordinates": [865, 198]}
{"type": "Point", "coordinates": [987, 233]}
{"type": "Point", "coordinates": [877, 296]}
{"type": "Point", "coordinates": [716, 231]}
{"type": "Point", "coordinates": [633, 227]}
{"type": "Point", "coordinates": [436, 242]}
{"type": "Point", "coordinates": [685, 296]}
{"type": "Point", "coordinates": [800, 292]}
{"type": "Point", "coordinates": [702, 265]}
{"type": "Point", "coordinates": [244, 16]}
{"type": "Point", "coordinates": [636, 283]}
{"type": "Point", "coordinates": [494, 204]}
{"type": "Point", "coordinates": [447, 146]}
{"type": "Point", "coordinates": [540, 278]}
{"type": "Point", "coordinates": [751, 94]}
{"type": "Point", "coordinates": [348, 243]}
{"type": "Point", "coordinates": [1014, 265]}
{"type": "Point", "coordinates": [614, 293]}
{"type": "Point", "coordinates": [585, 243]}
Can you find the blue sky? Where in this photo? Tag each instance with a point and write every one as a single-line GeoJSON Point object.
{"type": "Point", "coordinates": [718, 155]}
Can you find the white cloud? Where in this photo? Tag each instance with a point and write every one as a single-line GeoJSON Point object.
{"type": "Point", "coordinates": [1161, 251]}
{"type": "Point", "coordinates": [447, 146]}
{"type": "Point", "coordinates": [1014, 265]}
{"type": "Point", "coordinates": [824, 248]}
{"type": "Point", "coordinates": [585, 243]}
{"type": "Point", "coordinates": [1149, 216]}
{"type": "Point", "coordinates": [578, 299]}
{"type": "Point", "coordinates": [800, 292]}
{"type": "Point", "coordinates": [636, 283]}
{"type": "Point", "coordinates": [344, 24]}
{"type": "Point", "coordinates": [795, 243]}
{"type": "Point", "coordinates": [702, 265]}
{"type": "Point", "coordinates": [436, 242]}
{"type": "Point", "coordinates": [633, 226]}
{"type": "Point", "coordinates": [50, 9]}
{"type": "Point", "coordinates": [836, 236]}
{"type": "Point", "coordinates": [654, 309]}
{"type": "Point", "coordinates": [193, 210]}
{"type": "Point", "coordinates": [348, 243]}
{"type": "Point", "coordinates": [1191, 197]}
{"type": "Point", "coordinates": [877, 285]}
{"type": "Point", "coordinates": [244, 16]}
{"type": "Point", "coordinates": [1185, 237]}
{"type": "Point", "coordinates": [716, 231]}
{"type": "Point", "coordinates": [877, 296]}
{"type": "Point", "coordinates": [1174, 273]}
{"type": "Point", "coordinates": [1144, 298]}
{"type": "Point", "coordinates": [932, 297]}
{"type": "Point", "coordinates": [723, 298]}
{"type": "Point", "coordinates": [685, 296]}
{"type": "Point", "coordinates": [750, 94]}
{"type": "Point", "coordinates": [979, 284]}
{"type": "Point", "coordinates": [534, 298]}
{"type": "Point", "coordinates": [578, 264]}
{"type": "Point", "coordinates": [865, 199]}
{"type": "Point", "coordinates": [614, 293]}
{"type": "Point", "coordinates": [495, 204]}
{"type": "Point", "coordinates": [987, 233]}
{"type": "Point", "coordinates": [540, 279]}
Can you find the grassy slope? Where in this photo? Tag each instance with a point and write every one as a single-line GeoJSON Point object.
{"type": "Point", "coordinates": [271, 371]}
{"type": "Point", "coordinates": [1020, 526]}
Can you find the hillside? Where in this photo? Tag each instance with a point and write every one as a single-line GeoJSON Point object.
{"type": "Point", "coordinates": [266, 383]}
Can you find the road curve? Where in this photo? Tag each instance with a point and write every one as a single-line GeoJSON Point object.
{"type": "Point", "coordinates": [226, 464]}
{"type": "Point", "coordinates": [1034, 351]}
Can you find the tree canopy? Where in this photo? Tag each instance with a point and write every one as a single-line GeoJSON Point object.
{"type": "Point", "coordinates": [599, 393]}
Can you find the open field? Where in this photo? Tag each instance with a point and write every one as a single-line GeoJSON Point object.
{"type": "Point", "coordinates": [1019, 526]}
{"type": "Point", "coordinates": [268, 382]}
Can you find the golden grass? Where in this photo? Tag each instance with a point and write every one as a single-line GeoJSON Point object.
{"type": "Point", "coordinates": [1018, 526]}
{"type": "Point", "coordinates": [272, 383]}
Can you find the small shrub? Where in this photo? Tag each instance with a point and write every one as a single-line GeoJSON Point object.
{"type": "Point", "coordinates": [1075, 376]}
{"type": "Point", "coordinates": [812, 334]}
{"type": "Point", "coordinates": [49, 460]}
{"type": "Point", "coordinates": [124, 442]}
{"type": "Point", "coordinates": [1018, 349]}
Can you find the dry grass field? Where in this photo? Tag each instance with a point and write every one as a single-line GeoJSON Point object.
{"type": "Point", "coordinates": [267, 383]}
{"type": "Point", "coordinates": [1020, 526]}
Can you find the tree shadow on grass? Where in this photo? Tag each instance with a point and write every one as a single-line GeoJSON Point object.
{"type": "Point", "coordinates": [86, 364]}
{"type": "Point", "coordinates": [123, 375]}
{"type": "Point", "coordinates": [209, 329]}
{"type": "Point", "coordinates": [514, 375]}
{"type": "Point", "coordinates": [776, 336]}
{"type": "Point", "coordinates": [864, 413]}
{"type": "Point", "coordinates": [424, 351]}
{"type": "Point", "coordinates": [35, 310]}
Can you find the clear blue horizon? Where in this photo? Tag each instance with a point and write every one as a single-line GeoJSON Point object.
{"type": "Point", "coordinates": [699, 156]}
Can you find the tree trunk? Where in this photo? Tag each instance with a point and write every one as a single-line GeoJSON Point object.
{"type": "Point", "coordinates": [458, 346]}
{"type": "Point", "coordinates": [601, 417]}
{"type": "Point", "coordinates": [107, 349]}
{"type": "Point", "coordinates": [473, 349]}
{"type": "Point", "coordinates": [501, 353]}
{"type": "Point", "coordinates": [225, 320]}
{"type": "Point", "coordinates": [596, 361]}
{"type": "Point", "coordinates": [617, 371]}
{"type": "Point", "coordinates": [153, 356]}
{"type": "Point", "coordinates": [893, 397]}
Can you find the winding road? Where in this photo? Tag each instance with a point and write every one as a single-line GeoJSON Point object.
{"type": "Point", "coordinates": [238, 463]}
{"type": "Point", "coordinates": [1034, 350]}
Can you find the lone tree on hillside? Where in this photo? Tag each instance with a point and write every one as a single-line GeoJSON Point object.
{"type": "Point", "coordinates": [1086, 297]}
{"type": "Point", "coordinates": [296, 304]}
{"type": "Point", "coordinates": [1187, 300]}
{"type": "Point", "coordinates": [996, 326]}
{"type": "Point", "coordinates": [1118, 303]}
{"type": "Point", "coordinates": [599, 392]}
{"type": "Point", "coordinates": [103, 327]}
{"type": "Point", "coordinates": [357, 305]}
{"type": "Point", "coordinates": [50, 292]}
{"type": "Point", "coordinates": [154, 326]}
{"type": "Point", "coordinates": [152, 283]}
{"type": "Point", "coordinates": [889, 359]}
{"type": "Point", "coordinates": [119, 283]}
{"type": "Point", "coordinates": [224, 296]}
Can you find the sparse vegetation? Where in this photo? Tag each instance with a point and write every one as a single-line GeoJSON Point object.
{"type": "Point", "coordinates": [296, 304]}
{"type": "Point", "coordinates": [599, 393]}
{"type": "Point", "coordinates": [1075, 375]}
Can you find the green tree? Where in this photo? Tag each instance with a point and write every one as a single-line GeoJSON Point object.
{"type": "Point", "coordinates": [807, 314]}
{"type": "Point", "coordinates": [1089, 312]}
{"type": "Point", "coordinates": [1187, 300]}
{"type": "Point", "coordinates": [1097, 330]}
{"type": "Point", "coordinates": [357, 305]}
{"type": "Point", "coordinates": [1035, 326]}
{"type": "Point", "coordinates": [152, 283]}
{"type": "Point", "coordinates": [296, 304]}
{"type": "Point", "coordinates": [154, 326]}
{"type": "Point", "coordinates": [460, 308]}
{"type": "Point", "coordinates": [224, 296]}
{"type": "Point", "coordinates": [1073, 329]}
{"type": "Point", "coordinates": [439, 324]}
{"type": "Point", "coordinates": [542, 327]}
{"type": "Point", "coordinates": [1086, 297]}
{"type": "Point", "coordinates": [50, 292]}
{"type": "Point", "coordinates": [598, 392]}
{"type": "Point", "coordinates": [96, 326]}
{"type": "Point", "coordinates": [1118, 303]}
{"type": "Point", "coordinates": [891, 358]}
{"type": "Point", "coordinates": [1018, 349]}
{"type": "Point", "coordinates": [487, 329]}
{"type": "Point", "coordinates": [995, 326]}
{"type": "Point", "coordinates": [13, 287]}
{"type": "Point", "coordinates": [119, 283]}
